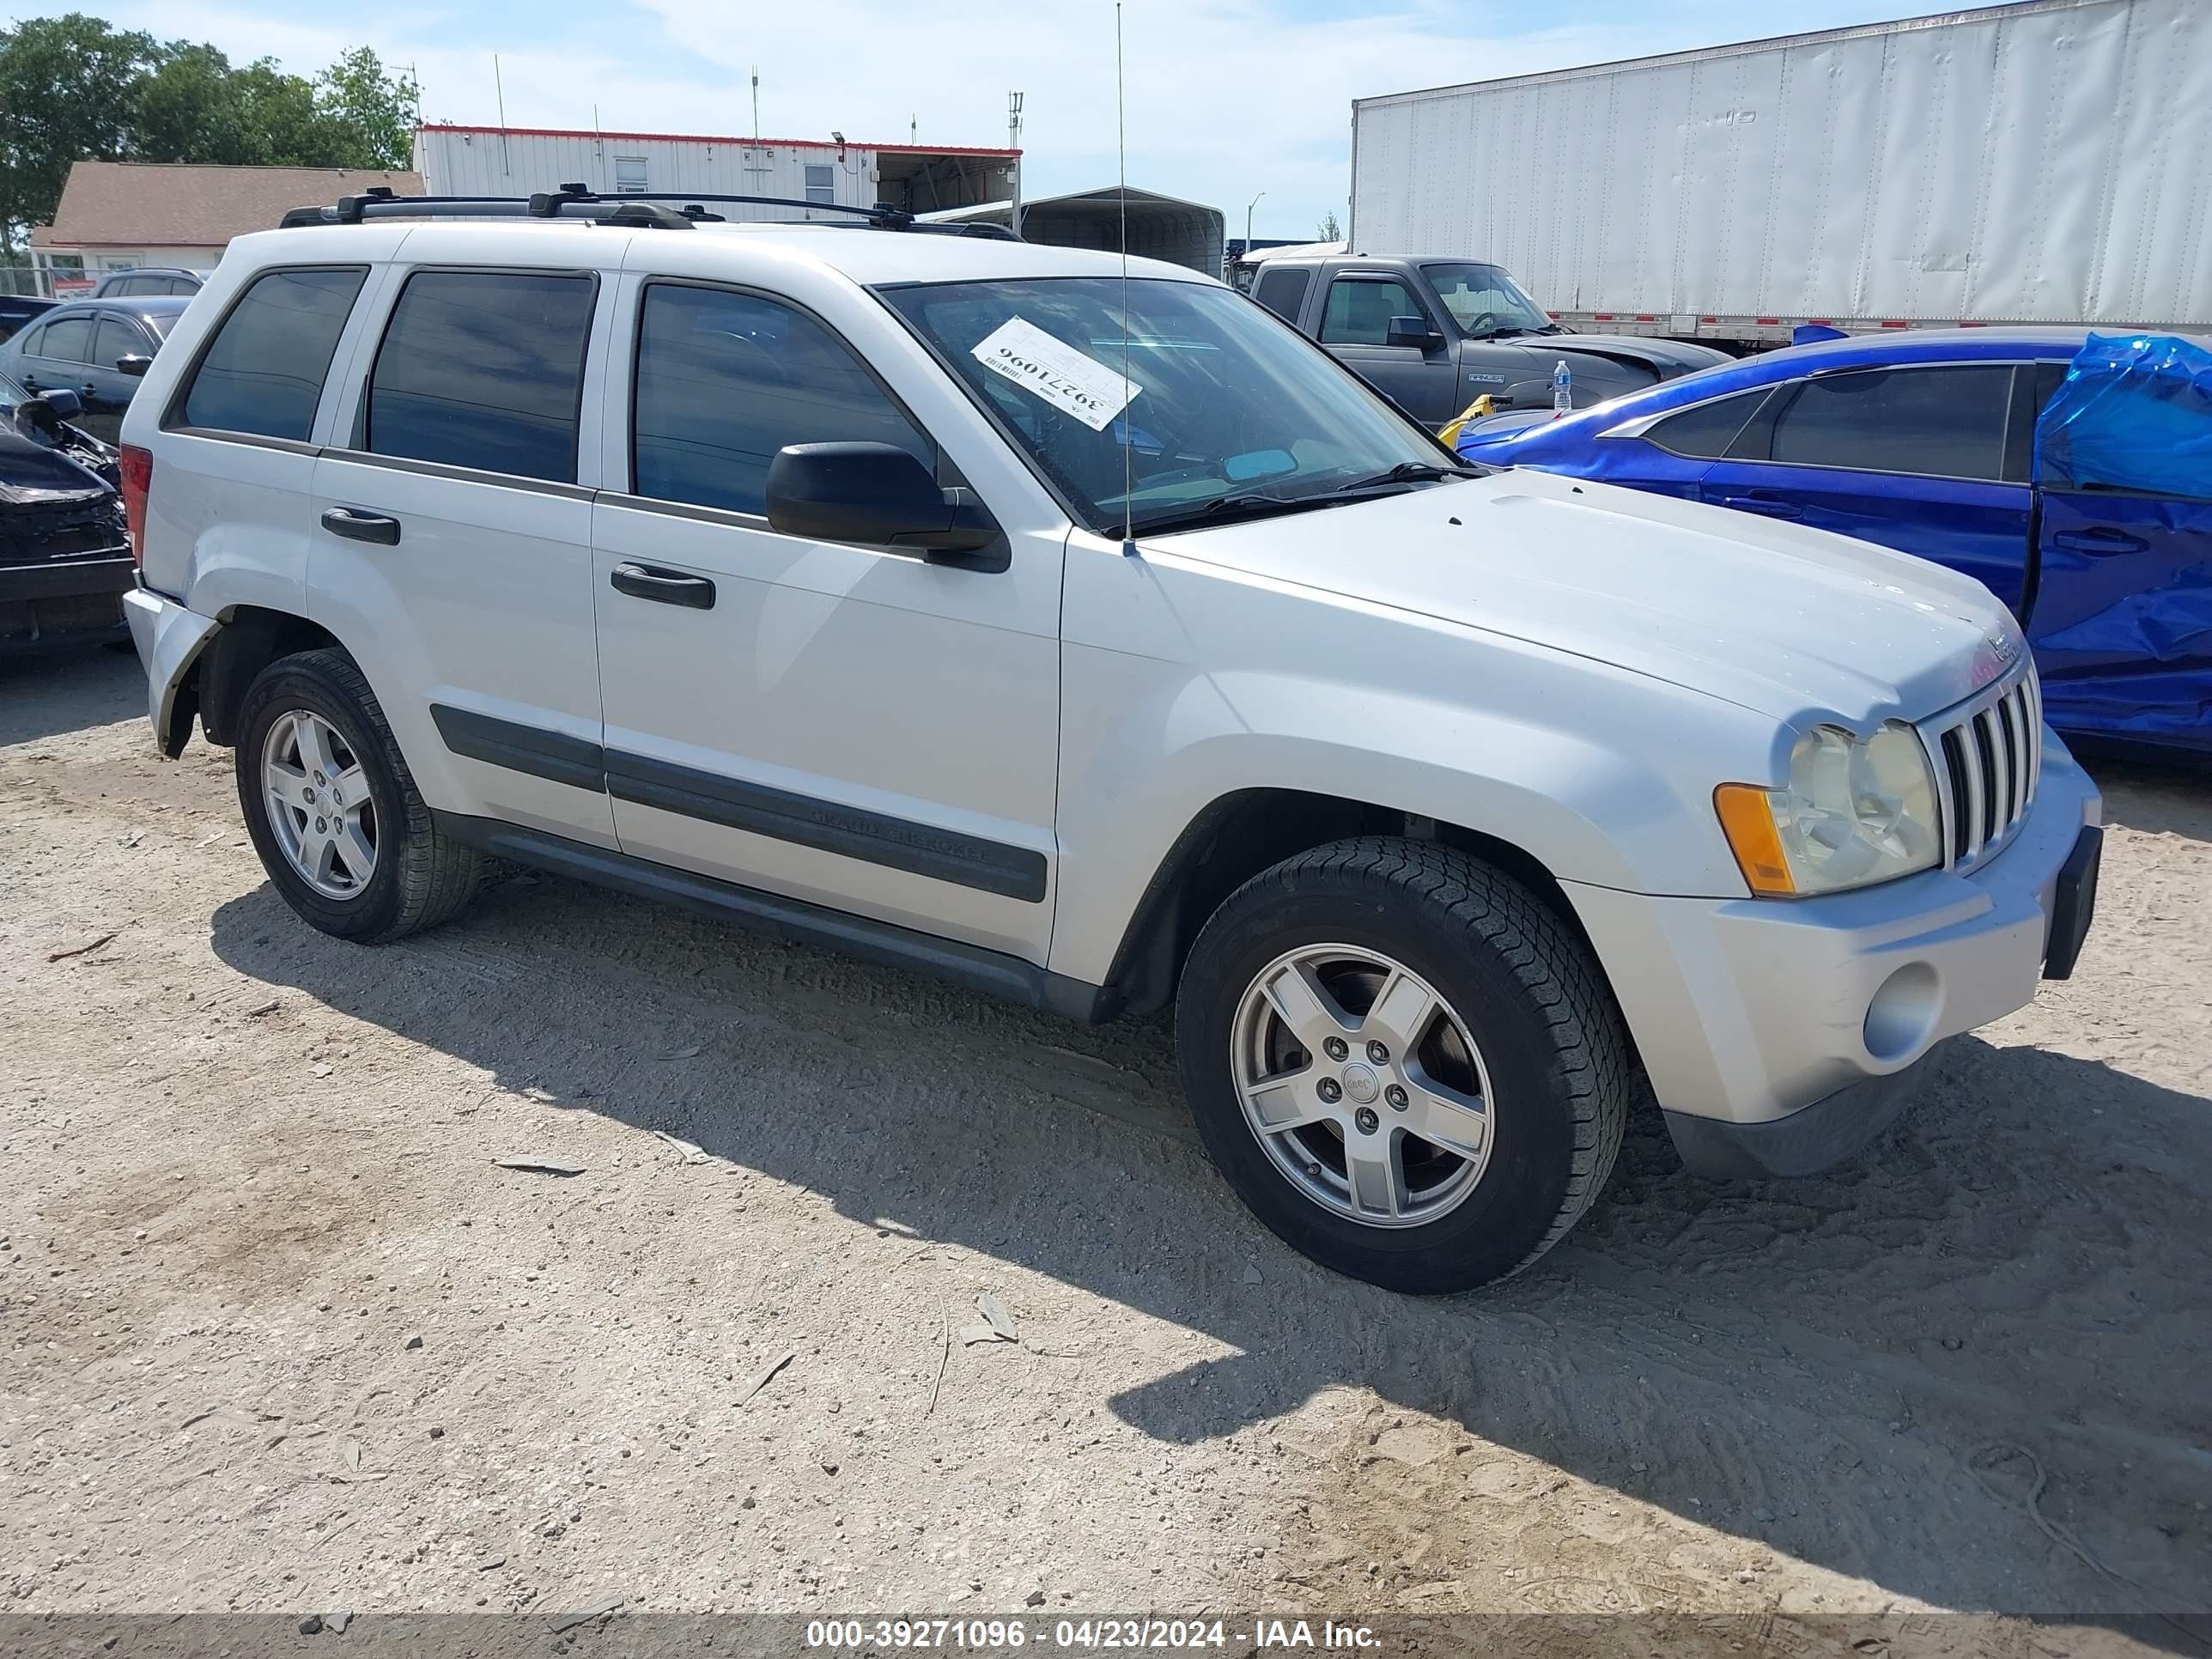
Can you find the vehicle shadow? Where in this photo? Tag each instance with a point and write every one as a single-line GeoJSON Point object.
{"type": "Point", "coordinates": [1998, 1316]}
{"type": "Point", "coordinates": [2172, 800]}
{"type": "Point", "coordinates": [67, 689]}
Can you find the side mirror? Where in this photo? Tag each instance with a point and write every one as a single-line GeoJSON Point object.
{"type": "Point", "coordinates": [62, 405]}
{"type": "Point", "coordinates": [876, 494]}
{"type": "Point", "coordinates": [134, 365]}
{"type": "Point", "coordinates": [1412, 332]}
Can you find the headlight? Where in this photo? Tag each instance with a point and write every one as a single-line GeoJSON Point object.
{"type": "Point", "coordinates": [1855, 810]}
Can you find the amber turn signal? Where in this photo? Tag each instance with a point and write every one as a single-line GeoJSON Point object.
{"type": "Point", "coordinates": [1746, 815]}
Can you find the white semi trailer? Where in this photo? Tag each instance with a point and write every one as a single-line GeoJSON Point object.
{"type": "Point", "coordinates": [2043, 162]}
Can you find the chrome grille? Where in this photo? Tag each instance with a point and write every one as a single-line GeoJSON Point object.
{"type": "Point", "coordinates": [1989, 757]}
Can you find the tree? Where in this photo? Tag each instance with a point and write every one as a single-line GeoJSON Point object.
{"type": "Point", "coordinates": [369, 115]}
{"type": "Point", "coordinates": [66, 86]}
{"type": "Point", "coordinates": [1328, 230]}
{"type": "Point", "coordinates": [74, 89]}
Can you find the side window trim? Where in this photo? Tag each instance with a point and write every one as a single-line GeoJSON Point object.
{"type": "Point", "coordinates": [356, 440]}
{"type": "Point", "coordinates": [633, 309]}
{"type": "Point", "coordinates": [173, 416]}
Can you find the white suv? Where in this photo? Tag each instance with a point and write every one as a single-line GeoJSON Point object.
{"type": "Point", "coordinates": [841, 580]}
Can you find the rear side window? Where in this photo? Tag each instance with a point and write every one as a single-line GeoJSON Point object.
{"type": "Point", "coordinates": [263, 372]}
{"type": "Point", "coordinates": [66, 339]}
{"type": "Point", "coordinates": [1705, 432]}
{"type": "Point", "coordinates": [1283, 290]}
{"type": "Point", "coordinates": [724, 380]}
{"type": "Point", "coordinates": [1360, 309]}
{"type": "Point", "coordinates": [1947, 423]}
{"type": "Point", "coordinates": [483, 368]}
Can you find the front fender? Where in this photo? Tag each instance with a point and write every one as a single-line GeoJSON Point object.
{"type": "Point", "coordinates": [1602, 775]}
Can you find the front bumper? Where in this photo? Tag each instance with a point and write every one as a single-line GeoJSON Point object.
{"type": "Point", "coordinates": [1748, 1012]}
{"type": "Point", "coordinates": [63, 601]}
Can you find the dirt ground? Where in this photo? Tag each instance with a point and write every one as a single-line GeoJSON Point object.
{"type": "Point", "coordinates": [277, 1335]}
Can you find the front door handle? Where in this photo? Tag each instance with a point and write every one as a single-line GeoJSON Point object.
{"type": "Point", "coordinates": [2100, 541]}
{"type": "Point", "coordinates": [645, 581]}
{"type": "Point", "coordinates": [1772, 507]}
{"type": "Point", "coordinates": [358, 526]}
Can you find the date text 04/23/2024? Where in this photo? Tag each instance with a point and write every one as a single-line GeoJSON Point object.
{"type": "Point", "coordinates": [1002, 1635]}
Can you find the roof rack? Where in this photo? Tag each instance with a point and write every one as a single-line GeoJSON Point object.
{"type": "Point", "coordinates": [632, 209]}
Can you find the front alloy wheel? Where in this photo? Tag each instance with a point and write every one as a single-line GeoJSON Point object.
{"type": "Point", "coordinates": [1403, 1061]}
{"type": "Point", "coordinates": [1362, 1085]}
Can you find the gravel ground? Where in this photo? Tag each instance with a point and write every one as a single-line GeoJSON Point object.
{"type": "Point", "coordinates": [277, 1335]}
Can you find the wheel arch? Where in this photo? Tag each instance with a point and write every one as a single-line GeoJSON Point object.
{"type": "Point", "coordinates": [250, 639]}
{"type": "Point", "coordinates": [1243, 832]}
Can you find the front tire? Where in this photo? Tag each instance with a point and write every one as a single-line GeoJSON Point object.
{"type": "Point", "coordinates": [333, 811]}
{"type": "Point", "coordinates": [1406, 1065]}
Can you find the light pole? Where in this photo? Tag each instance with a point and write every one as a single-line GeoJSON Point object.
{"type": "Point", "coordinates": [1248, 206]}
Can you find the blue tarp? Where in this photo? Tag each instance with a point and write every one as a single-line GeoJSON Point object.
{"type": "Point", "coordinates": [2135, 412]}
{"type": "Point", "coordinates": [2122, 624]}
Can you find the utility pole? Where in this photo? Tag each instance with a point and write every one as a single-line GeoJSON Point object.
{"type": "Point", "coordinates": [1014, 143]}
{"type": "Point", "coordinates": [499, 86]}
{"type": "Point", "coordinates": [1248, 206]}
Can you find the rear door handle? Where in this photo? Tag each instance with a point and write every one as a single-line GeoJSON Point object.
{"type": "Point", "coordinates": [1772, 507]}
{"type": "Point", "coordinates": [358, 526]}
{"type": "Point", "coordinates": [2100, 541]}
{"type": "Point", "coordinates": [644, 581]}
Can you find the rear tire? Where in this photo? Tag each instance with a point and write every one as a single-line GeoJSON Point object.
{"type": "Point", "coordinates": [1430, 1163]}
{"type": "Point", "coordinates": [372, 865]}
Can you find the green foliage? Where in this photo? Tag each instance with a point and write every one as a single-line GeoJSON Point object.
{"type": "Point", "coordinates": [1328, 230]}
{"type": "Point", "coordinates": [372, 111]}
{"type": "Point", "coordinates": [66, 86]}
{"type": "Point", "coordinates": [73, 88]}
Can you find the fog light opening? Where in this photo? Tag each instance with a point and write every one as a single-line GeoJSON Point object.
{"type": "Point", "coordinates": [1903, 1012]}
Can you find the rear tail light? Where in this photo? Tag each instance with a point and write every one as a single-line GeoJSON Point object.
{"type": "Point", "coordinates": [137, 468]}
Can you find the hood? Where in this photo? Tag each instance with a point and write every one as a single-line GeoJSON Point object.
{"type": "Point", "coordinates": [1798, 624]}
{"type": "Point", "coordinates": [30, 471]}
{"type": "Point", "coordinates": [1663, 358]}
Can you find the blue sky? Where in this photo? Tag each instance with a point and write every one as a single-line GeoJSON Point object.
{"type": "Point", "coordinates": [1225, 98]}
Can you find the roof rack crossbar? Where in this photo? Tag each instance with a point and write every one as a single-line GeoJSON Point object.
{"type": "Point", "coordinates": [630, 208]}
{"type": "Point", "coordinates": [569, 202]}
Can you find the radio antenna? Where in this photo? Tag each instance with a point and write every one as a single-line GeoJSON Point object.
{"type": "Point", "coordinates": [1122, 154]}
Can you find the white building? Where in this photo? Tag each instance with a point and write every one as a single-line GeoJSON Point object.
{"type": "Point", "coordinates": [464, 161]}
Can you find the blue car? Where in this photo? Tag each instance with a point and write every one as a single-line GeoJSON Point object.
{"type": "Point", "coordinates": [1925, 441]}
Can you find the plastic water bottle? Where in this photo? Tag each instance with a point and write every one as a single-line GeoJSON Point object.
{"type": "Point", "coordinates": [1563, 389]}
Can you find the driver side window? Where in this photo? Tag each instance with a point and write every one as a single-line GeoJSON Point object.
{"type": "Point", "coordinates": [725, 380]}
{"type": "Point", "coordinates": [1360, 309]}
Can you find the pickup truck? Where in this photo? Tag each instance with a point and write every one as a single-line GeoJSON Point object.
{"type": "Point", "coordinates": [1434, 335]}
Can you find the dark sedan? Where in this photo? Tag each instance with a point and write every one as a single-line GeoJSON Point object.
{"type": "Point", "coordinates": [96, 349]}
{"type": "Point", "coordinates": [65, 558]}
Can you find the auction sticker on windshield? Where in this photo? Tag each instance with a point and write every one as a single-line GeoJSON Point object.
{"type": "Point", "coordinates": [1059, 374]}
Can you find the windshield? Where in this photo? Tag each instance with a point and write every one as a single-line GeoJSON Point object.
{"type": "Point", "coordinates": [1484, 301]}
{"type": "Point", "coordinates": [1229, 405]}
{"type": "Point", "coordinates": [11, 395]}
